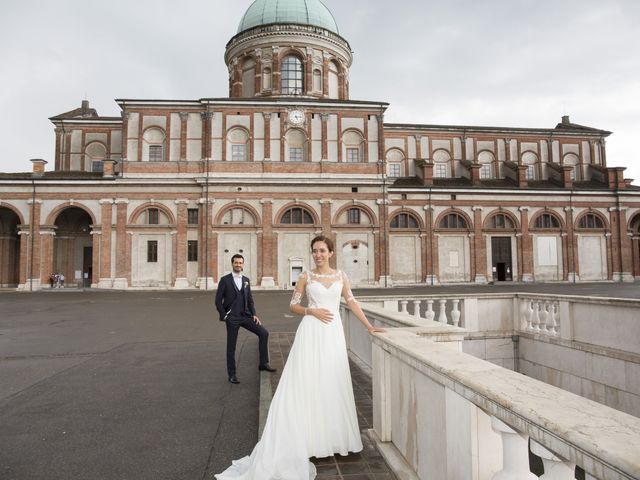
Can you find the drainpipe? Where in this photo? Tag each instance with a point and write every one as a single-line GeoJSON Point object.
{"type": "Point", "coordinates": [31, 240]}
{"type": "Point", "coordinates": [516, 352]}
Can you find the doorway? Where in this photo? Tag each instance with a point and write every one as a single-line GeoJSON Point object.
{"type": "Point", "coordinates": [501, 267]}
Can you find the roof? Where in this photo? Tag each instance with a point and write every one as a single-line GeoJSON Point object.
{"type": "Point", "coordinates": [304, 12]}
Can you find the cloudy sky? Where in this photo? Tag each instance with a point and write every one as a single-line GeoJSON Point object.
{"type": "Point", "coordinates": [517, 63]}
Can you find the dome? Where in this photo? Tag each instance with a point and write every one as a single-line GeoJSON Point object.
{"type": "Point", "coordinates": [305, 12]}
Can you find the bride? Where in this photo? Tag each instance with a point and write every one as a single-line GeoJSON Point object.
{"type": "Point", "coordinates": [313, 411]}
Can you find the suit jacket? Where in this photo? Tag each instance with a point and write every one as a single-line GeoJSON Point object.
{"type": "Point", "coordinates": [227, 296]}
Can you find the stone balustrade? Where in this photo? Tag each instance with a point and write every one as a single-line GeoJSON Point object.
{"type": "Point", "coordinates": [440, 413]}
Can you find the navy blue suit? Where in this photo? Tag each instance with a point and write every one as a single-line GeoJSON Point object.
{"type": "Point", "coordinates": [236, 308]}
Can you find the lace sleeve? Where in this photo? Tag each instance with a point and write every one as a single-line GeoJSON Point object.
{"type": "Point", "coordinates": [296, 298]}
{"type": "Point", "coordinates": [346, 289]}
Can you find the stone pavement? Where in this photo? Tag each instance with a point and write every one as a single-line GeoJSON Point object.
{"type": "Point", "coordinates": [365, 465]}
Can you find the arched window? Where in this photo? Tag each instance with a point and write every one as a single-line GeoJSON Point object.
{"type": "Point", "coordinates": [152, 216]}
{"type": "Point", "coordinates": [153, 145]}
{"type": "Point", "coordinates": [238, 216]}
{"type": "Point", "coordinates": [571, 160]}
{"type": "Point", "coordinates": [441, 164]}
{"type": "Point", "coordinates": [453, 220]}
{"type": "Point", "coordinates": [530, 159]}
{"type": "Point", "coordinates": [296, 146]}
{"type": "Point", "coordinates": [297, 216]}
{"type": "Point", "coordinates": [334, 80]}
{"type": "Point", "coordinates": [238, 144]}
{"type": "Point", "coordinates": [248, 77]}
{"type": "Point", "coordinates": [486, 161]}
{"type": "Point", "coordinates": [317, 81]}
{"type": "Point", "coordinates": [266, 79]}
{"type": "Point", "coordinates": [395, 159]}
{"type": "Point", "coordinates": [353, 142]}
{"type": "Point", "coordinates": [501, 221]}
{"type": "Point", "coordinates": [591, 220]}
{"type": "Point", "coordinates": [547, 220]}
{"type": "Point", "coordinates": [292, 76]}
{"type": "Point", "coordinates": [95, 153]}
{"type": "Point", "coordinates": [404, 220]}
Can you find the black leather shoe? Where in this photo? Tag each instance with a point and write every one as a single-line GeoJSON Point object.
{"type": "Point", "coordinates": [234, 379]}
{"type": "Point", "coordinates": [267, 368]}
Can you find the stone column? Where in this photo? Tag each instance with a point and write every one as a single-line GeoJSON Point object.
{"type": "Point", "coordinates": [626, 262]}
{"type": "Point", "coordinates": [480, 247]}
{"type": "Point", "coordinates": [515, 453]}
{"type": "Point", "coordinates": [325, 221]}
{"type": "Point", "coordinates": [615, 244]}
{"type": "Point", "coordinates": [206, 134]}
{"type": "Point", "coordinates": [104, 274]}
{"type": "Point", "coordinates": [123, 261]}
{"type": "Point", "coordinates": [181, 280]}
{"type": "Point", "coordinates": [526, 266]}
{"type": "Point", "coordinates": [269, 255]}
{"type": "Point", "coordinates": [275, 72]}
{"type": "Point", "coordinates": [431, 249]}
{"type": "Point", "coordinates": [34, 272]}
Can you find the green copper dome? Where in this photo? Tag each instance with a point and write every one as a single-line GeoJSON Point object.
{"type": "Point", "coordinates": [305, 12]}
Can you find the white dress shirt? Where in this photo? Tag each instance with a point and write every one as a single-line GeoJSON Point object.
{"type": "Point", "coordinates": [238, 281]}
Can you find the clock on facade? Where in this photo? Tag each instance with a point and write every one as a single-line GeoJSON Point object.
{"type": "Point", "coordinates": [296, 117]}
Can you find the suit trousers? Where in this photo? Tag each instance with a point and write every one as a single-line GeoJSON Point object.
{"type": "Point", "coordinates": [233, 325]}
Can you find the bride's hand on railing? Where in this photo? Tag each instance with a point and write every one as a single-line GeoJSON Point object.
{"type": "Point", "coordinates": [373, 329]}
{"type": "Point", "coordinates": [322, 314]}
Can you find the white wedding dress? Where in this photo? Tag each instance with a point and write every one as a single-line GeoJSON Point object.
{"type": "Point", "coordinates": [313, 411]}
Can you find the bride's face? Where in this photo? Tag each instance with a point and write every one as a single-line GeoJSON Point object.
{"type": "Point", "coordinates": [321, 254]}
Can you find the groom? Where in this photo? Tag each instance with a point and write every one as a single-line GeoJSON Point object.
{"type": "Point", "coordinates": [234, 303]}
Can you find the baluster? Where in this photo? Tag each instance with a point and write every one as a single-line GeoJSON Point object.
{"type": "Point", "coordinates": [430, 314]}
{"type": "Point", "coordinates": [554, 467]}
{"type": "Point", "coordinates": [403, 306]}
{"type": "Point", "coordinates": [544, 317]}
{"type": "Point", "coordinates": [534, 316]}
{"type": "Point", "coordinates": [527, 312]}
{"type": "Point", "coordinates": [555, 314]}
{"type": "Point", "coordinates": [515, 453]}
{"type": "Point", "coordinates": [416, 308]}
{"type": "Point", "coordinates": [442, 316]}
{"type": "Point", "coordinates": [455, 313]}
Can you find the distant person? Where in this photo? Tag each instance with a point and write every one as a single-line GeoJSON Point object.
{"type": "Point", "coordinates": [235, 306]}
{"type": "Point", "coordinates": [62, 280]}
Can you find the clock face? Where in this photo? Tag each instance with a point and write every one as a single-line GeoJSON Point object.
{"type": "Point", "coordinates": [296, 117]}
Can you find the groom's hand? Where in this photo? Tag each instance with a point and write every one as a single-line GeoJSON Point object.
{"type": "Point", "coordinates": [257, 320]}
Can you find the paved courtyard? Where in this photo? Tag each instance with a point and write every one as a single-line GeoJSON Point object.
{"type": "Point", "coordinates": [132, 385]}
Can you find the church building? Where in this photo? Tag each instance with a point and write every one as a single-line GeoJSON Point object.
{"type": "Point", "coordinates": [163, 195]}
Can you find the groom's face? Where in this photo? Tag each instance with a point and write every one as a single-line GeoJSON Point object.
{"type": "Point", "coordinates": [237, 265]}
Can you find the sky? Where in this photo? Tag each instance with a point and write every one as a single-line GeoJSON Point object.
{"type": "Point", "coordinates": [508, 63]}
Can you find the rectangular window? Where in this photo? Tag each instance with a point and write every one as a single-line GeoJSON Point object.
{"type": "Point", "coordinates": [485, 171]}
{"type": "Point", "coordinates": [296, 154]}
{"type": "Point", "coordinates": [192, 250]}
{"type": "Point", "coordinates": [353, 155]}
{"type": "Point", "coordinates": [192, 216]}
{"type": "Point", "coordinates": [155, 153]}
{"type": "Point", "coordinates": [354, 216]}
{"type": "Point", "coordinates": [152, 251]}
{"type": "Point", "coordinates": [530, 174]}
{"type": "Point", "coordinates": [441, 171]}
{"type": "Point", "coordinates": [154, 216]}
{"type": "Point", "coordinates": [238, 153]}
{"type": "Point", "coordinates": [394, 169]}
{"type": "Point", "coordinates": [97, 167]}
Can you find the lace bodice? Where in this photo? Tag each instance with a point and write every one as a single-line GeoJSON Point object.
{"type": "Point", "coordinates": [322, 290]}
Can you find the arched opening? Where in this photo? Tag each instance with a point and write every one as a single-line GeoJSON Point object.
{"type": "Point", "coordinates": [635, 245]}
{"type": "Point", "coordinates": [592, 246]}
{"type": "Point", "coordinates": [248, 77]}
{"type": "Point", "coordinates": [405, 252]}
{"type": "Point", "coordinates": [334, 80]}
{"type": "Point", "coordinates": [95, 153]}
{"type": "Point", "coordinates": [292, 76]}
{"type": "Point", "coordinates": [546, 229]}
{"type": "Point", "coordinates": [296, 142]}
{"type": "Point", "coordinates": [395, 163]}
{"type": "Point", "coordinates": [73, 248]}
{"type": "Point", "coordinates": [9, 248]}
{"type": "Point", "coordinates": [530, 159]}
{"type": "Point", "coordinates": [153, 145]}
{"type": "Point", "coordinates": [238, 145]}
{"type": "Point", "coordinates": [441, 164]}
